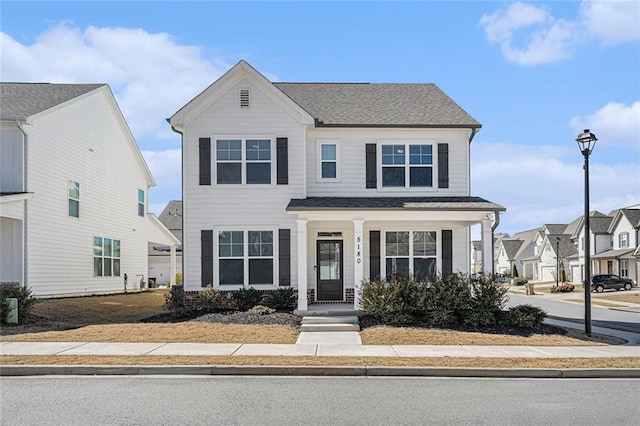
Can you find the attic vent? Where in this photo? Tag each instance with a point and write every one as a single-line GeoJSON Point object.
{"type": "Point", "coordinates": [244, 97]}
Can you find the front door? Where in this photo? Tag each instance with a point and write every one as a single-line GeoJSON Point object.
{"type": "Point", "coordinates": [329, 270]}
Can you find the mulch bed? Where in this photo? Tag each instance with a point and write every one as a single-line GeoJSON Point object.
{"type": "Point", "coordinates": [230, 317]}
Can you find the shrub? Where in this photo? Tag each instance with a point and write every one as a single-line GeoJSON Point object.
{"type": "Point", "coordinates": [514, 271]}
{"type": "Point", "coordinates": [261, 310]}
{"type": "Point", "coordinates": [210, 299]}
{"type": "Point", "coordinates": [487, 301]}
{"type": "Point", "coordinates": [391, 302]}
{"type": "Point", "coordinates": [524, 316]}
{"type": "Point", "coordinates": [448, 300]}
{"type": "Point", "coordinates": [565, 287]}
{"type": "Point", "coordinates": [246, 298]}
{"type": "Point", "coordinates": [25, 300]}
{"type": "Point", "coordinates": [174, 302]}
{"type": "Point", "coordinates": [520, 281]}
{"type": "Point", "coordinates": [281, 299]}
{"type": "Point", "coordinates": [178, 277]}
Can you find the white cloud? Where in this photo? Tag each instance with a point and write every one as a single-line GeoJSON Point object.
{"type": "Point", "coordinates": [616, 124]}
{"type": "Point", "coordinates": [540, 186]}
{"type": "Point", "coordinates": [151, 74]}
{"type": "Point", "coordinates": [166, 170]}
{"type": "Point", "coordinates": [548, 39]}
{"type": "Point", "coordinates": [612, 22]}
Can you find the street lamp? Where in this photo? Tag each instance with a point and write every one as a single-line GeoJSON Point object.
{"type": "Point", "coordinates": [586, 142]}
{"type": "Point", "coordinates": [557, 261]}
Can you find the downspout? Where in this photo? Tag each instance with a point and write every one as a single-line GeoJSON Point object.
{"type": "Point", "coordinates": [173, 279]}
{"type": "Point", "coordinates": [25, 261]}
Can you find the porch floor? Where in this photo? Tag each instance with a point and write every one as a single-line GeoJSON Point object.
{"type": "Point", "coordinates": [341, 309]}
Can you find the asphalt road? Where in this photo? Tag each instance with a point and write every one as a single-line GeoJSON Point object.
{"type": "Point", "coordinates": [599, 316]}
{"type": "Point", "coordinates": [197, 400]}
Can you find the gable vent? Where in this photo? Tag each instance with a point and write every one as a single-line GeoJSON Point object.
{"type": "Point", "coordinates": [244, 97]}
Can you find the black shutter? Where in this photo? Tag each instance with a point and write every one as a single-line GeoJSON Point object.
{"type": "Point", "coordinates": [371, 160]}
{"type": "Point", "coordinates": [447, 252]}
{"type": "Point", "coordinates": [282, 166]}
{"type": "Point", "coordinates": [206, 257]}
{"type": "Point", "coordinates": [205, 161]}
{"type": "Point", "coordinates": [443, 165]}
{"type": "Point", "coordinates": [284, 256]}
{"type": "Point", "coordinates": [374, 255]}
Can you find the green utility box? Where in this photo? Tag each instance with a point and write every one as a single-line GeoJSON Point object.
{"type": "Point", "coordinates": [11, 316]}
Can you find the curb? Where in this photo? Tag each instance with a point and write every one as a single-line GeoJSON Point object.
{"type": "Point", "coordinates": [597, 323]}
{"type": "Point", "coordinates": [352, 371]}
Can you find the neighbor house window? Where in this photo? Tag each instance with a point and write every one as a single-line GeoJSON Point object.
{"type": "Point", "coordinates": [73, 193]}
{"type": "Point", "coordinates": [106, 257]}
{"type": "Point", "coordinates": [623, 239]}
{"type": "Point", "coordinates": [245, 257]}
{"type": "Point", "coordinates": [140, 202]}
{"type": "Point", "coordinates": [243, 161]}
{"type": "Point", "coordinates": [328, 154]}
{"type": "Point", "coordinates": [410, 253]}
{"type": "Point", "coordinates": [407, 165]}
{"type": "Point", "coordinates": [624, 268]}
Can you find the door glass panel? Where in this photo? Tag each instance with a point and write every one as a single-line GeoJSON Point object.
{"type": "Point", "coordinates": [330, 256]}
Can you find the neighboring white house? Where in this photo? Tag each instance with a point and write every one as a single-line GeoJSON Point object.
{"type": "Point", "coordinates": [320, 186]}
{"type": "Point", "coordinates": [73, 192]}
{"type": "Point", "coordinates": [519, 250]}
{"type": "Point", "coordinates": [160, 255]}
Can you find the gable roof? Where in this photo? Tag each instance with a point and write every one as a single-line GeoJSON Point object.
{"type": "Point", "coordinates": [171, 216]}
{"type": "Point", "coordinates": [554, 229]}
{"type": "Point", "coordinates": [565, 246]}
{"type": "Point", "coordinates": [378, 105]}
{"type": "Point", "coordinates": [21, 100]}
{"type": "Point", "coordinates": [511, 247]}
{"type": "Point", "coordinates": [632, 215]}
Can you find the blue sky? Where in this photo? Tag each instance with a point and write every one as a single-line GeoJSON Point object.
{"type": "Point", "coordinates": [533, 73]}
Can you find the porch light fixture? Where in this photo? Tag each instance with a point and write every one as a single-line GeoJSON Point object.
{"type": "Point", "coordinates": [586, 142]}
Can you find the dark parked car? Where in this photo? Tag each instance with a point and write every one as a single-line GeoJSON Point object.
{"type": "Point", "coordinates": [603, 282]}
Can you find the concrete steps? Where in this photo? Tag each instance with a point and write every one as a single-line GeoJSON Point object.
{"type": "Point", "coordinates": [330, 323]}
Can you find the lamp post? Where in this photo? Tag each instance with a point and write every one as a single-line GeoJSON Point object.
{"type": "Point", "coordinates": [557, 261]}
{"type": "Point", "coordinates": [586, 142]}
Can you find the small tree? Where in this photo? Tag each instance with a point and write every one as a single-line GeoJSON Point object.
{"type": "Point", "coordinates": [563, 274]}
{"type": "Point", "coordinates": [514, 271]}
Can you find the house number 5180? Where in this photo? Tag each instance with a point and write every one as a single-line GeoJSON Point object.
{"type": "Point", "coordinates": [358, 251]}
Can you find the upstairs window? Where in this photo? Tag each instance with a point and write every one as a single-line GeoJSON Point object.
{"type": "Point", "coordinates": [241, 161]}
{"type": "Point", "coordinates": [244, 98]}
{"type": "Point", "coordinates": [140, 202]}
{"type": "Point", "coordinates": [328, 164]}
{"type": "Point", "coordinates": [623, 239]}
{"type": "Point", "coordinates": [73, 194]}
{"type": "Point", "coordinates": [407, 165]}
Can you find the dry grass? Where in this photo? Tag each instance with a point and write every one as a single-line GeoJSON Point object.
{"type": "Point", "coordinates": [325, 361]}
{"type": "Point", "coordinates": [623, 297]}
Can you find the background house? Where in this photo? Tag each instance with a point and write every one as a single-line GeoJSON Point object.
{"type": "Point", "coordinates": [160, 255]}
{"type": "Point", "coordinates": [74, 188]}
{"type": "Point", "coordinates": [321, 185]}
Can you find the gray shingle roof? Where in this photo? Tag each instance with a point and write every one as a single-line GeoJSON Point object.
{"type": "Point", "coordinates": [378, 105]}
{"type": "Point", "coordinates": [393, 203]}
{"type": "Point", "coordinates": [555, 228]}
{"type": "Point", "coordinates": [21, 100]}
{"type": "Point", "coordinates": [600, 225]}
{"type": "Point", "coordinates": [511, 247]}
{"type": "Point", "coordinates": [171, 216]}
{"type": "Point", "coordinates": [633, 215]}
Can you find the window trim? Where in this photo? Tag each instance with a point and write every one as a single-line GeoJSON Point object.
{"type": "Point", "coordinates": [245, 256]}
{"type": "Point", "coordinates": [625, 239]}
{"type": "Point", "coordinates": [69, 198]}
{"type": "Point", "coordinates": [243, 160]}
{"type": "Point", "coordinates": [407, 166]}
{"type": "Point", "coordinates": [319, 160]}
{"type": "Point", "coordinates": [412, 257]}
{"type": "Point", "coordinates": [103, 257]}
{"type": "Point", "coordinates": [143, 203]}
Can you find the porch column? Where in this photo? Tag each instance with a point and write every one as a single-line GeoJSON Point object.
{"type": "Point", "coordinates": [487, 245]}
{"type": "Point", "coordinates": [302, 264]}
{"type": "Point", "coordinates": [172, 260]}
{"type": "Point", "coordinates": [358, 263]}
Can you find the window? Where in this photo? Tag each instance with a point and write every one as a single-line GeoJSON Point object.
{"type": "Point", "coordinates": [624, 268]}
{"type": "Point", "coordinates": [407, 165]}
{"type": "Point", "coordinates": [623, 239]}
{"type": "Point", "coordinates": [410, 253]}
{"type": "Point", "coordinates": [243, 161]}
{"type": "Point", "coordinates": [328, 154]}
{"type": "Point", "coordinates": [140, 202]}
{"type": "Point", "coordinates": [73, 193]}
{"type": "Point", "coordinates": [245, 257]}
{"type": "Point", "coordinates": [244, 98]}
{"type": "Point", "coordinates": [106, 257]}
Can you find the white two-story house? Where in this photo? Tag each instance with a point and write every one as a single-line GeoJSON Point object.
{"type": "Point", "coordinates": [321, 186]}
{"type": "Point", "coordinates": [73, 192]}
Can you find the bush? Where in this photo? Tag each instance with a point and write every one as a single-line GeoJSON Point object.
{"type": "Point", "coordinates": [448, 300]}
{"type": "Point", "coordinates": [261, 310]}
{"type": "Point", "coordinates": [487, 301]}
{"type": "Point", "coordinates": [565, 287]}
{"type": "Point", "coordinates": [178, 277]}
{"type": "Point", "coordinates": [246, 298]}
{"type": "Point", "coordinates": [520, 281]}
{"type": "Point", "coordinates": [210, 299]}
{"type": "Point", "coordinates": [281, 299]}
{"type": "Point", "coordinates": [524, 316]}
{"type": "Point", "coordinates": [391, 302]}
{"type": "Point", "coordinates": [25, 300]}
{"type": "Point", "coordinates": [174, 302]}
